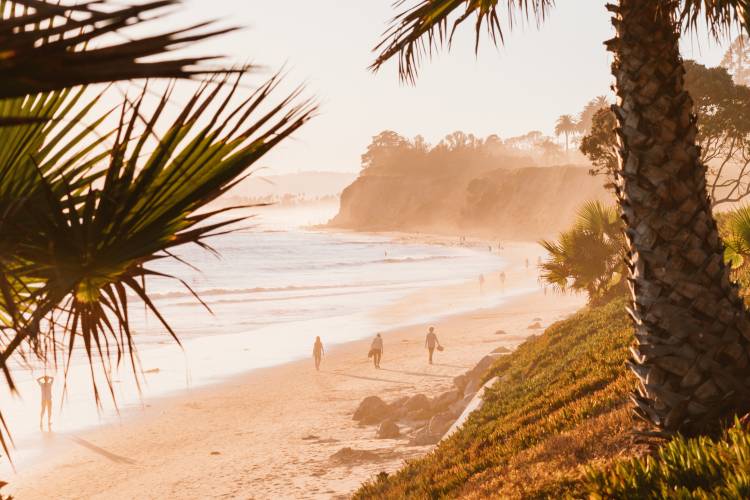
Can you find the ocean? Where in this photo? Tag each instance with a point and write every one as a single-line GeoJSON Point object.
{"type": "Point", "coordinates": [271, 289]}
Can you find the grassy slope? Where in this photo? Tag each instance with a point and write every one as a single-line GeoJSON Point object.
{"type": "Point", "coordinates": [561, 402]}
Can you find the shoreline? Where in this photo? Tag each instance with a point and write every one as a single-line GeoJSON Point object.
{"type": "Point", "coordinates": [252, 441]}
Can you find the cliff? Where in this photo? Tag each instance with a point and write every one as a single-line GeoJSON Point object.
{"type": "Point", "coordinates": [511, 203]}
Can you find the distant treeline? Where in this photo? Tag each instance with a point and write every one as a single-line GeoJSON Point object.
{"type": "Point", "coordinates": [391, 151]}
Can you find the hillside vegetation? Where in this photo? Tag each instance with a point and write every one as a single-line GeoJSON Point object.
{"type": "Point", "coordinates": [561, 401]}
{"type": "Point", "coordinates": [557, 424]}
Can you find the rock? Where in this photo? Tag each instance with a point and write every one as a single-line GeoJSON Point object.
{"type": "Point", "coordinates": [372, 410]}
{"type": "Point", "coordinates": [388, 430]}
{"type": "Point", "coordinates": [418, 415]}
{"type": "Point", "coordinates": [474, 402]}
{"type": "Point", "coordinates": [484, 364]}
{"type": "Point", "coordinates": [458, 407]}
{"type": "Point", "coordinates": [417, 402]}
{"type": "Point", "coordinates": [446, 399]}
{"type": "Point", "coordinates": [501, 350]}
{"type": "Point", "coordinates": [535, 326]}
{"type": "Point", "coordinates": [501, 332]}
{"type": "Point", "coordinates": [348, 455]}
{"type": "Point", "coordinates": [473, 386]}
{"type": "Point", "coordinates": [310, 437]}
{"type": "Point", "coordinates": [460, 382]}
{"type": "Point", "coordinates": [439, 424]}
{"type": "Point", "coordinates": [424, 438]}
{"type": "Point", "coordinates": [537, 319]}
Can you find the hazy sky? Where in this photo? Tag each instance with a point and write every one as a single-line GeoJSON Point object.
{"type": "Point", "coordinates": [525, 85]}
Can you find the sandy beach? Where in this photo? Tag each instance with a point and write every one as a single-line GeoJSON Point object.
{"type": "Point", "coordinates": [270, 433]}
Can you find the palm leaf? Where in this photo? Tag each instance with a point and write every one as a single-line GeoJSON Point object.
{"type": "Point", "coordinates": [88, 251]}
{"type": "Point", "coordinates": [46, 46]}
{"type": "Point", "coordinates": [427, 25]}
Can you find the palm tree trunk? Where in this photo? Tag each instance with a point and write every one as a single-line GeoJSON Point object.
{"type": "Point", "coordinates": [692, 331]}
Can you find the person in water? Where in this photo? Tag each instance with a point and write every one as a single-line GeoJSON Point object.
{"type": "Point", "coordinates": [317, 352]}
{"type": "Point", "coordinates": [45, 384]}
{"type": "Point", "coordinates": [431, 342]}
{"type": "Point", "coordinates": [376, 348]}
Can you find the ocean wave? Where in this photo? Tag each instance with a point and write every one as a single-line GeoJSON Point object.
{"type": "Point", "coordinates": [242, 291]}
{"type": "Point", "coordinates": [362, 263]}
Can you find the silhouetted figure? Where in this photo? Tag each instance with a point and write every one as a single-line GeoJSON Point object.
{"type": "Point", "coordinates": [376, 350]}
{"type": "Point", "coordinates": [481, 283]}
{"type": "Point", "coordinates": [431, 342]}
{"type": "Point", "coordinates": [502, 278]}
{"type": "Point", "coordinates": [490, 247]}
{"type": "Point", "coordinates": [45, 384]}
{"type": "Point", "coordinates": [317, 352]}
{"type": "Point", "coordinates": [527, 263]}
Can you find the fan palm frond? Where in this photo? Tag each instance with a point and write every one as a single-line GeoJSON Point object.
{"type": "Point", "coordinates": [427, 25]}
{"type": "Point", "coordinates": [88, 251]}
{"type": "Point", "coordinates": [48, 46]}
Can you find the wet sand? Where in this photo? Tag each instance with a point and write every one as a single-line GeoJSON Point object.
{"type": "Point", "coordinates": [271, 433]}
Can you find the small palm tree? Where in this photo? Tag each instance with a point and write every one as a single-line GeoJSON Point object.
{"type": "Point", "coordinates": [692, 331]}
{"type": "Point", "coordinates": [589, 257]}
{"type": "Point", "coordinates": [566, 125]}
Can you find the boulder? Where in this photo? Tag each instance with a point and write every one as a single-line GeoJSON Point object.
{"type": "Point", "coordinates": [348, 455]}
{"type": "Point", "coordinates": [484, 364]}
{"type": "Point", "coordinates": [473, 385]}
{"type": "Point", "coordinates": [501, 350]}
{"type": "Point", "coordinates": [372, 410]}
{"type": "Point", "coordinates": [446, 399]}
{"type": "Point", "coordinates": [417, 402]}
{"type": "Point", "coordinates": [501, 332]}
{"type": "Point", "coordinates": [424, 438]}
{"type": "Point", "coordinates": [439, 424]}
{"type": "Point", "coordinates": [535, 326]}
{"type": "Point", "coordinates": [460, 382]}
{"type": "Point", "coordinates": [458, 407]}
{"type": "Point", "coordinates": [388, 430]}
{"type": "Point", "coordinates": [418, 415]}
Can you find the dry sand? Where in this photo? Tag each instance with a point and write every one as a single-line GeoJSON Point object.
{"type": "Point", "coordinates": [271, 433]}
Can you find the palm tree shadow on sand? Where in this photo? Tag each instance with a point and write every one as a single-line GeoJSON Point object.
{"type": "Point", "coordinates": [101, 451]}
{"type": "Point", "coordinates": [362, 377]}
{"type": "Point", "coordinates": [418, 374]}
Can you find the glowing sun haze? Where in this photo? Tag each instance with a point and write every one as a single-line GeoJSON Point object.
{"type": "Point", "coordinates": [525, 85]}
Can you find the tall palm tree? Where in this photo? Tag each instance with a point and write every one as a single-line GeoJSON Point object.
{"type": "Point", "coordinates": [692, 331]}
{"type": "Point", "coordinates": [566, 125]}
{"type": "Point", "coordinates": [85, 213]}
{"type": "Point", "coordinates": [586, 118]}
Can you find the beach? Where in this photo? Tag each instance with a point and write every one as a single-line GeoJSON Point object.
{"type": "Point", "coordinates": [271, 432]}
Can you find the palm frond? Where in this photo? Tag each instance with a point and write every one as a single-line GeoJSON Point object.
{"type": "Point", "coordinates": [48, 46]}
{"type": "Point", "coordinates": [428, 25]}
{"type": "Point", "coordinates": [89, 250]}
{"type": "Point", "coordinates": [720, 16]}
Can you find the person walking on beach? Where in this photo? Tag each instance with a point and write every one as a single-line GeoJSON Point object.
{"type": "Point", "coordinates": [317, 352]}
{"type": "Point", "coordinates": [45, 384]}
{"type": "Point", "coordinates": [431, 342]}
{"type": "Point", "coordinates": [376, 350]}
